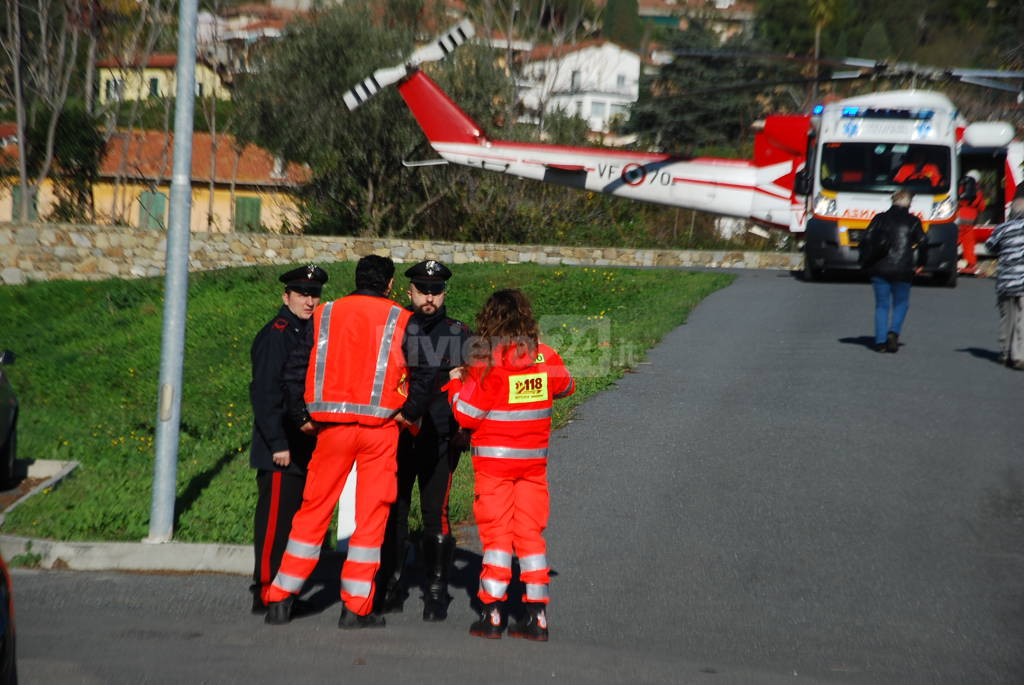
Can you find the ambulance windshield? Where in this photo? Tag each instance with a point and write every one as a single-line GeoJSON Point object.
{"type": "Point", "coordinates": [884, 167]}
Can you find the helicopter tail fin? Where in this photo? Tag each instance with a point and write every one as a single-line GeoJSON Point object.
{"type": "Point", "coordinates": [440, 118]}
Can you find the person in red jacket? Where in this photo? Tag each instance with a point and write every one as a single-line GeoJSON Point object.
{"type": "Point", "coordinates": [972, 204]}
{"type": "Point", "coordinates": [504, 397]}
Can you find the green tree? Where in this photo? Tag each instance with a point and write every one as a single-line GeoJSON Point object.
{"type": "Point", "coordinates": [876, 43]}
{"type": "Point", "coordinates": [76, 162]}
{"type": "Point", "coordinates": [685, 108]}
{"type": "Point", "coordinates": [622, 23]}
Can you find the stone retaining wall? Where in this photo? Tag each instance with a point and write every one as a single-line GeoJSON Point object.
{"type": "Point", "coordinates": [39, 252]}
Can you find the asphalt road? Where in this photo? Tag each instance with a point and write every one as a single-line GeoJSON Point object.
{"type": "Point", "coordinates": [765, 500]}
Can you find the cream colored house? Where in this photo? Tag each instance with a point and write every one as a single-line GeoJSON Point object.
{"type": "Point", "coordinates": [154, 77]}
{"type": "Point", "coordinates": [233, 188]}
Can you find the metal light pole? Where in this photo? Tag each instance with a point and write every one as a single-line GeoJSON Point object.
{"type": "Point", "coordinates": [172, 351]}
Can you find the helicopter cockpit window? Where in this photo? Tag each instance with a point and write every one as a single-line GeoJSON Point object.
{"type": "Point", "coordinates": [884, 167]}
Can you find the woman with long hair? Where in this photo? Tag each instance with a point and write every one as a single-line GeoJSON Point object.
{"type": "Point", "coordinates": [504, 397]}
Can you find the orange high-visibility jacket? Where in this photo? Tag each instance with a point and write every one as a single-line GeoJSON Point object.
{"type": "Point", "coordinates": [357, 369]}
{"type": "Point", "coordinates": [508, 406]}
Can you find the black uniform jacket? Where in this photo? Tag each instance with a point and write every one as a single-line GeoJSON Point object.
{"type": "Point", "coordinates": [908, 245]}
{"type": "Point", "coordinates": [272, 429]}
{"type": "Point", "coordinates": [435, 344]}
{"type": "Point", "coordinates": [294, 375]}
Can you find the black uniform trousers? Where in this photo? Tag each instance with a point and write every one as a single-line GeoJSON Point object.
{"type": "Point", "coordinates": [279, 496]}
{"type": "Point", "coordinates": [427, 458]}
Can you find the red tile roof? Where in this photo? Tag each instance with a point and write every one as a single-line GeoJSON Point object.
{"type": "Point", "coordinates": [157, 61]}
{"type": "Point", "coordinates": [554, 51]}
{"type": "Point", "coordinates": [150, 156]}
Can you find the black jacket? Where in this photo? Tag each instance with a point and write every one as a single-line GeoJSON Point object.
{"type": "Point", "coordinates": [907, 245]}
{"type": "Point", "coordinates": [272, 430]}
{"type": "Point", "coordinates": [435, 344]}
{"type": "Point", "coordinates": [294, 375]}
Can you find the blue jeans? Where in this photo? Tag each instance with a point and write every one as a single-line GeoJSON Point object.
{"type": "Point", "coordinates": [891, 296]}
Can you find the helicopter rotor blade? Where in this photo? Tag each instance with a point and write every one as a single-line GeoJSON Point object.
{"type": "Point", "coordinates": [976, 81]}
{"type": "Point", "coordinates": [847, 76]}
{"type": "Point", "coordinates": [986, 73]}
{"type": "Point", "coordinates": [433, 52]}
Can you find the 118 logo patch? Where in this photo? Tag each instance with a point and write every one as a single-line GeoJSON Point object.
{"type": "Point", "coordinates": [529, 387]}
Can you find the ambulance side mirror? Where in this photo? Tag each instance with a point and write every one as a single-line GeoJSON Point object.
{"type": "Point", "coordinates": [802, 182]}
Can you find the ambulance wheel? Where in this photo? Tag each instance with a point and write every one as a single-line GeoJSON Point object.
{"type": "Point", "coordinates": [810, 273]}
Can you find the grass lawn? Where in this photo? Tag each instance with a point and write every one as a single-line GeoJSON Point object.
{"type": "Point", "coordinates": [88, 365]}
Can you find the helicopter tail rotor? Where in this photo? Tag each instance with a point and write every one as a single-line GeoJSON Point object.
{"type": "Point", "coordinates": [432, 52]}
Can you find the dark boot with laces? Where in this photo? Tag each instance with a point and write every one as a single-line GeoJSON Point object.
{"type": "Point", "coordinates": [490, 624]}
{"type": "Point", "coordinates": [534, 625]}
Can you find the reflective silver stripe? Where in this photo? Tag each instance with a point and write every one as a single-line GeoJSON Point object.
{"type": "Point", "coordinates": [382, 355]}
{"type": "Point", "coordinates": [356, 588]}
{"type": "Point", "coordinates": [534, 562]}
{"type": "Point", "coordinates": [288, 583]}
{"type": "Point", "coordinates": [496, 557]}
{"type": "Point", "coordinates": [536, 592]}
{"type": "Point", "coordinates": [366, 555]}
{"type": "Point", "coordinates": [509, 452]}
{"type": "Point", "coordinates": [495, 588]}
{"type": "Point", "coordinates": [321, 352]}
{"type": "Point", "coordinates": [469, 410]}
{"type": "Point", "coordinates": [567, 391]}
{"type": "Point", "coordinates": [455, 399]}
{"type": "Point", "coordinates": [303, 550]}
{"type": "Point", "coordinates": [519, 414]}
{"type": "Point", "coordinates": [351, 408]}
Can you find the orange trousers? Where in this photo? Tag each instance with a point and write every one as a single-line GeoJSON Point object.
{"type": "Point", "coordinates": [966, 235]}
{"type": "Point", "coordinates": [372, 450]}
{"type": "Point", "coordinates": [511, 512]}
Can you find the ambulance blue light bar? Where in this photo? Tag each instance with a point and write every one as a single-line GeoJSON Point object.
{"type": "Point", "coordinates": [818, 109]}
{"type": "Point", "coordinates": [885, 113]}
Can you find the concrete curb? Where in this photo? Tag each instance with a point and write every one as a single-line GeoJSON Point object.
{"type": "Point", "coordinates": [52, 470]}
{"type": "Point", "coordinates": [129, 556]}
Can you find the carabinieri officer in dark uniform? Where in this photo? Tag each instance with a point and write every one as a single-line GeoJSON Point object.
{"type": "Point", "coordinates": [280, 450]}
{"type": "Point", "coordinates": [430, 451]}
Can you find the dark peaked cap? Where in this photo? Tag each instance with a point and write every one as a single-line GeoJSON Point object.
{"type": "Point", "coordinates": [429, 276]}
{"type": "Point", "coordinates": [308, 280]}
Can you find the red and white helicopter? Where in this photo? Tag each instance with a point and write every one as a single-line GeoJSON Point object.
{"type": "Point", "coordinates": [821, 175]}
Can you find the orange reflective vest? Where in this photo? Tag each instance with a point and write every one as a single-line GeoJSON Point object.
{"type": "Point", "coordinates": [357, 369]}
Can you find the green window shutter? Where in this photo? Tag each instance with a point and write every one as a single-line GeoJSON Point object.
{"type": "Point", "coordinates": [151, 210]}
{"type": "Point", "coordinates": [33, 214]}
{"type": "Point", "coordinates": [247, 214]}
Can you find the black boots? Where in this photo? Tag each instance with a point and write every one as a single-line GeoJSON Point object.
{"type": "Point", "coordinates": [490, 624]}
{"type": "Point", "coordinates": [534, 625]}
{"type": "Point", "coordinates": [892, 342]}
{"type": "Point", "coordinates": [349, 620]}
{"type": "Point", "coordinates": [437, 560]}
{"type": "Point", "coordinates": [279, 613]}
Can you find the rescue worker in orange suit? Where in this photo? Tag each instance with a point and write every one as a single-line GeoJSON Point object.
{"type": "Point", "coordinates": [355, 383]}
{"type": "Point", "coordinates": [505, 397]}
{"type": "Point", "coordinates": [972, 204]}
{"type": "Point", "coordinates": [917, 169]}
{"type": "Point", "coordinates": [431, 455]}
{"type": "Point", "coordinates": [280, 451]}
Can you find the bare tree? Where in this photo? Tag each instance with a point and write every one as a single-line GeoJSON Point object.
{"type": "Point", "coordinates": [41, 46]}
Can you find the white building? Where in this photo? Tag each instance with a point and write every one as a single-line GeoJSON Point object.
{"type": "Point", "coordinates": [596, 80]}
